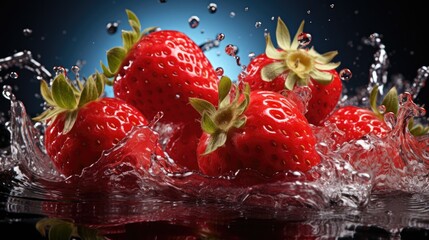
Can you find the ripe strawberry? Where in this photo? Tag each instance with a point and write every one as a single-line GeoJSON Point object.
{"type": "Point", "coordinates": [160, 71]}
{"type": "Point", "coordinates": [355, 123]}
{"type": "Point", "coordinates": [263, 131]}
{"type": "Point", "coordinates": [81, 126]}
{"type": "Point", "coordinates": [290, 65]}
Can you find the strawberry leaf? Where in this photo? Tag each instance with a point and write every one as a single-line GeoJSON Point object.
{"type": "Point", "coordinates": [224, 88]}
{"type": "Point", "coordinates": [69, 121]}
{"type": "Point", "coordinates": [115, 57]}
{"type": "Point", "coordinates": [106, 70]}
{"type": "Point", "coordinates": [89, 92]}
{"type": "Point", "coordinates": [271, 51]}
{"type": "Point", "coordinates": [128, 39]}
{"type": "Point", "coordinates": [215, 141]}
{"type": "Point", "coordinates": [373, 101]}
{"type": "Point", "coordinates": [295, 43]}
{"type": "Point", "coordinates": [46, 93]}
{"type": "Point", "coordinates": [202, 105]}
{"type": "Point", "coordinates": [63, 93]}
{"type": "Point", "coordinates": [391, 101]}
{"type": "Point", "coordinates": [207, 124]}
{"type": "Point", "coordinates": [291, 80]}
{"type": "Point", "coordinates": [273, 70]}
{"type": "Point", "coordinates": [282, 35]}
{"type": "Point", "coordinates": [61, 231]}
{"type": "Point", "coordinates": [133, 20]}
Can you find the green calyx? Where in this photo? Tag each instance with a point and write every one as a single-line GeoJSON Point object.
{"type": "Point", "coordinates": [65, 97]}
{"type": "Point", "coordinates": [229, 114]}
{"type": "Point", "coordinates": [59, 229]}
{"type": "Point", "coordinates": [116, 55]}
{"type": "Point", "coordinates": [391, 104]}
{"type": "Point", "coordinates": [299, 64]}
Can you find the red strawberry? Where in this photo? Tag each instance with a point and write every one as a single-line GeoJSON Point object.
{"type": "Point", "coordinates": [160, 71]}
{"type": "Point", "coordinates": [81, 126]}
{"type": "Point", "coordinates": [263, 131]}
{"type": "Point", "coordinates": [291, 65]}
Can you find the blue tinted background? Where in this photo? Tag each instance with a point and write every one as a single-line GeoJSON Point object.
{"type": "Point", "coordinates": [67, 31]}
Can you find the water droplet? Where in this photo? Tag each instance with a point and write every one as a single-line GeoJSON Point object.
{"type": "Point", "coordinates": [272, 18]}
{"type": "Point", "coordinates": [251, 55]}
{"type": "Point", "coordinates": [308, 11]}
{"type": "Point", "coordinates": [220, 37]}
{"type": "Point", "coordinates": [218, 53]}
{"type": "Point", "coordinates": [212, 7]}
{"type": "Point", "coordinates": [177, 96]}
{"type": "Point", "coordinates": [246, 9]}
{"type": "Point", "coordinates": [162, 1]}
{"type": "Point", "coordinates": [13, 75]}
{"type": "Point", "coordinates": [112, 27]}
{"type": "Point", "coordinates": [194, 21]}
{"type": "Point", "coordinates": [332, 5]}
{"type": "Point", "coordinates": [202, 31]}
{"type": "Point", "coordinates": [232, 14]}
{"type": "Point", "coordinates": [27, 32]}
{"type": "Point", "coordinates": [7, 93]}
{"type": "Point", "coordinates": [382, 109]}
{"type": "Point", "coordinates": [258, 24]}
{"type": "Point", "coordinates": [59, 70]}
{"type": "Point", "coordinates": [346, 74]}
{"type": "Point", "coordinates": [266, 32]}
{"type": "Point", "coordinates": [75, 69]}
{"type": "Point", "coordinates": [237, 60]}
{"type": "Point", "coordinates": [219, 71]}
{"type": "Point", "coordinates": [231, 50]}
{"type": "Point", "coordinates": [304, 39]}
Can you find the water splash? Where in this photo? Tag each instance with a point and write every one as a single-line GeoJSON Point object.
{"type": "Point", "coordinates": [24, 60]}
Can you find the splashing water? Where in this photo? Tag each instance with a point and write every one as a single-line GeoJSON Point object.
{"type": "Point", "coordinates": [346, 177]}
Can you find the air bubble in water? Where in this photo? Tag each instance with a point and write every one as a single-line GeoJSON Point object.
{"type": "Point", "coordinates": [346, 74]}
{"type": "Point", "coordinates": [231, 50]}
{"type": "Point", "coordinates": [219, 71]}
{"type": "Point", "coordinates": [112, 27]}
{"type": "Point", "coordinates": [27, 32]}
{"type": "Point", "coordinates": [232, 14]}
{"type": "Point", "coordinates": [13, 75]}
{"type": "Point", "coordinates": [258, 24]}
{"type": "Point", "coordinates": [212, 7]}
{"type": "Point", "coordinates": [220, 37]}
{"type": "Point", "coordinates": [304, 39]}
{"type": "Point", "coordinates": [194, 21]}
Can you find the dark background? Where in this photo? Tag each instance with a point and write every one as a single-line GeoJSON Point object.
{"type": "Point", "coordinates": [65, 32]}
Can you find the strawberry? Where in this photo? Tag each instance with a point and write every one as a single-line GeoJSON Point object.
{"type": "Point", "coordinates": [80, 125]}
{"type": "Point", "coordinates": [291, 65]}
{"type": "Point", "coordinates": [355, 123]}
{"type": "Point", "coordinates": [160, 71]}
{"type": "Point", "coordinates": [259, 130]}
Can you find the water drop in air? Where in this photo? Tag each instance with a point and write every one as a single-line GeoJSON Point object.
{"type": "Point", "coordinates": [27, 32]}
{"type": "Point", "coordinates": [308, 11]}
{"type": "Point", "coordinates": [237, 60]}
{"type": "Point", "coordinates": [232, 14]}
{"type": "Point", "coordinates": [219, 71]}
{"type": "Point", "coordinates": [212, 7]}
{"type": "Point", "coordinates": [304, 39]}
{"type": "Point", "coordinates": [332, 5]}
{"type": "Point", "coordinates": [266, 32]}
{"type": "Point", "coordinates": [231, 50]}
{"type": "Point", "coordinates": [112, 27]}
{"type": "Point", "coordinates": [220, 37]}
{"type": "Point", "coordinates": [272, 18]}
{"type": "Point", "coordinates": [7, 93]}
{"type": "Point", "coordinates": [162, 1]}
{"type": "Point", "coordinates": [246, 9]}
{"type": "Point", "coordinates": [194, 21]}
{"type": "Point", "coordinates": [13, 75]}
{"type": "Point", "coordinates": [346, 74]}
{"type": "Point", "coordinates": [251, 55]}
{"type": "Point", "coordinates": [258, 24]}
